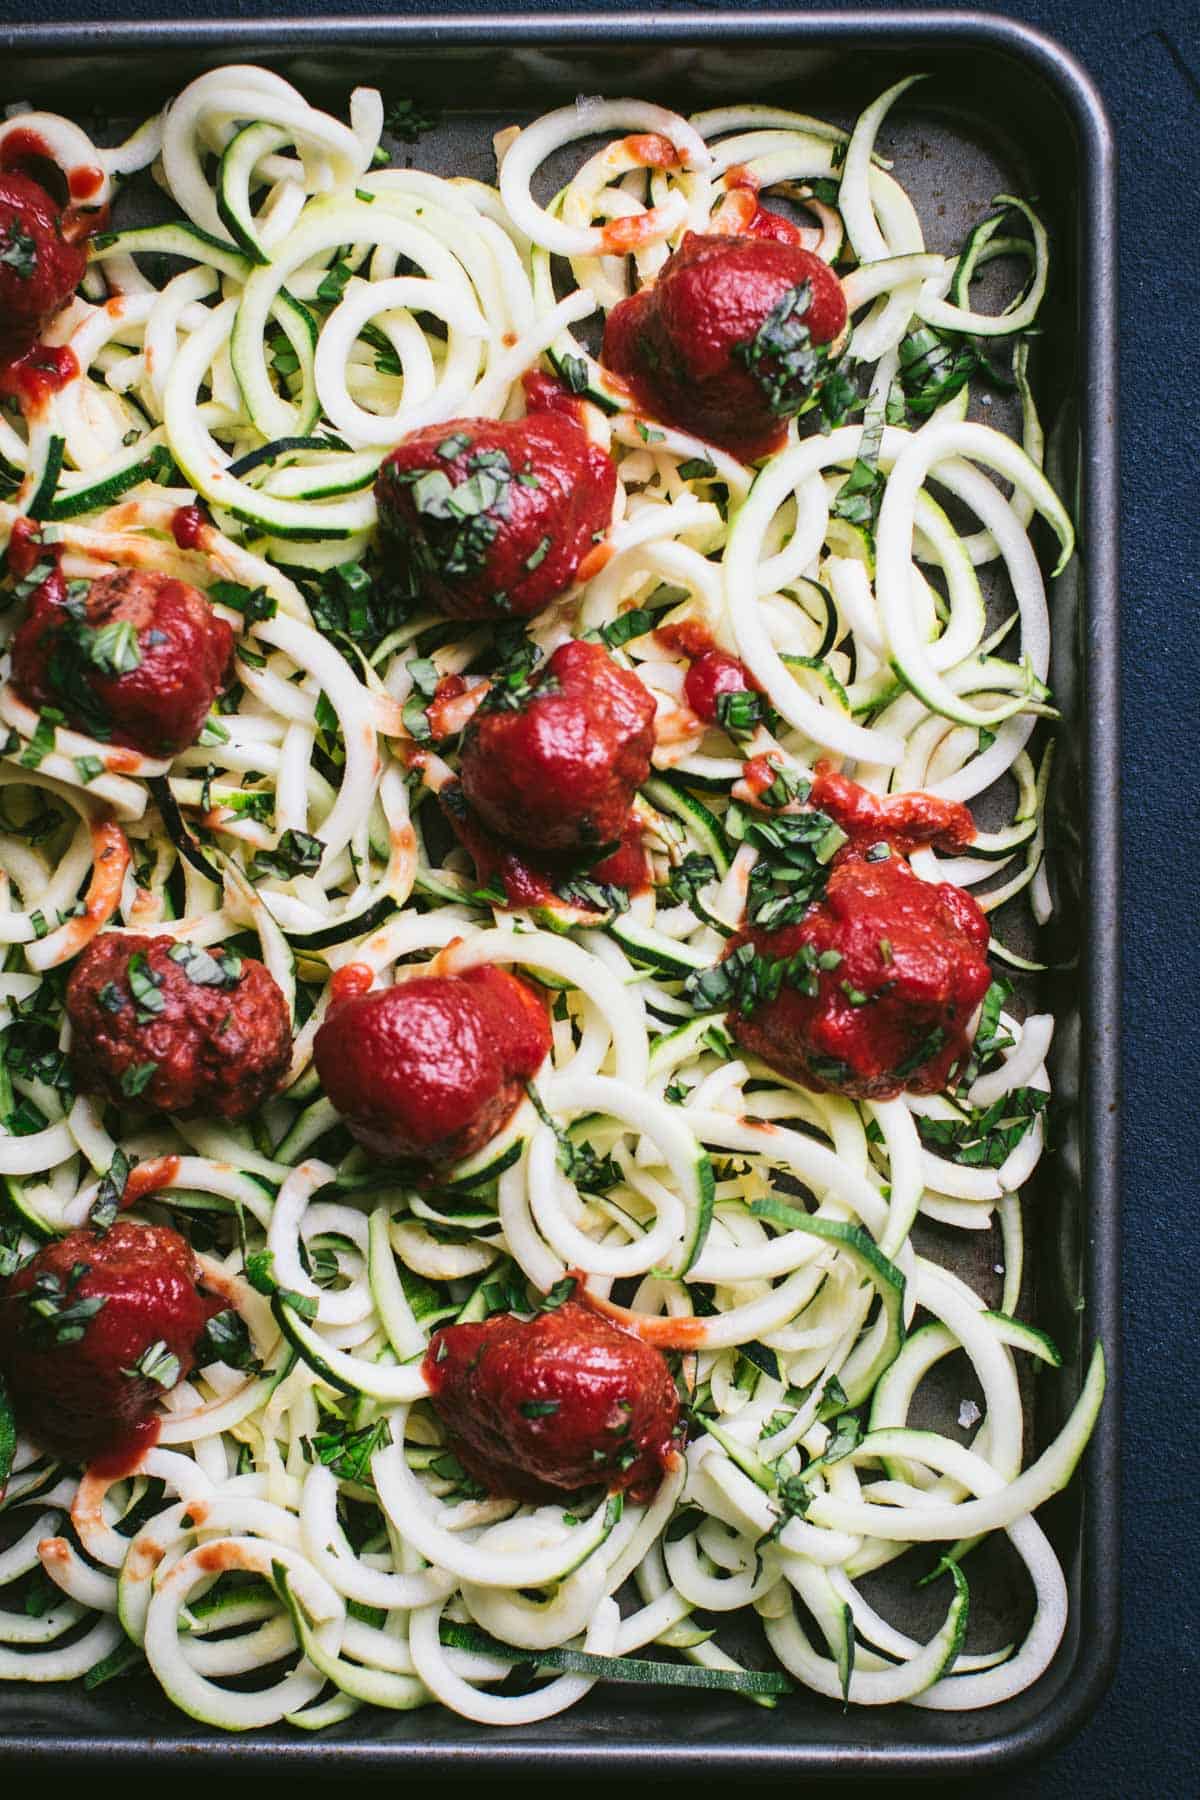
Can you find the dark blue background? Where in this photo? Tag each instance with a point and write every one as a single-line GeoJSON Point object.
{"type": "Point", "coordinates": [1145, 57]}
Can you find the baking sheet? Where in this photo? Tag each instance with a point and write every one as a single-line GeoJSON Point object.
{"type": "Point", "coordinates": [999, 114]}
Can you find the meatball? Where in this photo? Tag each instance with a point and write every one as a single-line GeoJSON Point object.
{"type": "Point", "coordinates": [555, 766]}
{"type": "Point", "coordinates": [136, 659]}
{"type": "Point", "coordinates": [882, 977]}
{"type": "Point", "coordinates": [491, 521]}
{"type": "Point", "coordinates": [39, 269]}
{"type": "Point", "coordinates": [179, 1028]}
{"type": "Point", "coordinates": [94, 1329]}
{"type": "Point", "coordinates": [538, 1407]}
{"type": "Point", "coordinates": [728, 343]}
{"type": "Point", "coordinates": [435, 1066]}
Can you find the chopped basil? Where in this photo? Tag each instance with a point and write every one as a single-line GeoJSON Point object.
{"type": "Point", "coordinates": [425, 678]}
{"type": "Point", "coordinates": [696, 871]}
{"type": "Point", "coordinates": [648, 434]}
{"type": "Point", "coordinates": [578, 1161]}
{"type": "Point", "coordinates": [110, 1192]}
{"type": "Point", "coordinates": [791, 870]}
{"type": "Point", "coordinates": [333, 282]}
{"type": "Point", "coordinates": [296, 853]}
{"type": "Point", "coordinates": [157, 1364]}
{"type": "Point", "coordinates": [740, 712]}
{"type": "Point", "coordinates": [136, 1078]}
{"type": "Point", "coordinates": [88, 768]}
{"type": "Point", "coordinates": [925, 1051]}
{"type": "Point", "coordinates": [252, 603]}
{"type": "Point", "coordinates": [826, 190]}
{"type": "Point", "coordinates": [348, 1452]}
{"type": "Point", "coordinates": [746, 979]}
{"type": "Point", "coordinates": [847, 1433]}
{"type": "Point", "coordinates": [986, 1137]}
{"type": "Point", "coordinates": [934, 366]}
{"type": "Point", "coordinates": [595, 896]}
{"type": "Point", "coordinates": [114, 648]}
{"type": "Point", "coordinates": [42, 742]}
{"type": "Point", "coordinates": [406, 121]}
{"type": "Point", "coordinates": [877, 852]}
{"type": "Point", "coordinates": [459, 520]}
{"type": "Point", "coordinates": [453, 446]}
{"type": "Point", "coordinates": [145, 984]}
{"type": "Point", "coordinates": [781, 355]}
{"type": "Point", "coordinates": [18, 250]}
{"type": "Point", "coordinates": [58, 1318]}
{"type": "Point", "coordinates": [538, 1409]}
{"type": "Point", "coordinates": [12, 1257]}
{"type": "Point", "coordinates": [221, 971]}
{"type": "Point", "coordinates": [627, 626]}
{"type": "Point", "coordinates": [696, 468]}
{"type": "Point", "coordinates": [226, 1338]}
{"type": "Point", "coordinates": [537, 557]}
{"type": "Point", "coordinates": [840, 399]}
{"type": "Point", "coordinates": [990, 1036]}
{"type": "Point", "coordinates": [559, 1294]}
{"type": "Point", "coordinates": [574, 371]}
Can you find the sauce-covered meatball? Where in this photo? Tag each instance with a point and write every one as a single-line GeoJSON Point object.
{"type": "Point", "coordinates": [133, 657]}
{"type": "Point", "coordinates": [490, 520]}
{"type": "Point", "coordinates": [176, 1027]}
{"type": "Point", "coordinates": [728, 343]}
{"type": "Point", "coordinates": [882, 976]}
{"type": "Point", "coordinates": [94, 1330]}
{"type": "Point", "coordinates": [39, 269]}
{"type": "Point", "coordinates": [555, 766]}
{"type": "Point", "coordinates": [538, 1407]}
{"type": "Point", "coordinates": [432, 1068]}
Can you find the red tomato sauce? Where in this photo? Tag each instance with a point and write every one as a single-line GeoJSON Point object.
{"type": "Point", "coordinates": [906, 821]}
{"type": "Point", "coordinates": [187, 523]}
{"type": "Point", "coordinates": [37, 373]}
{"type": "Point", "coordinates": [351, 980]}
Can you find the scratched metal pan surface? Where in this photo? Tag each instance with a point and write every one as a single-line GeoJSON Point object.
{"type": "Point", "coordinates": [1004, 110]}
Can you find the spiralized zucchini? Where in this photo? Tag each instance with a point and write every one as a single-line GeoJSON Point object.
{"type": "Point", "coordinates": [302, 1515]}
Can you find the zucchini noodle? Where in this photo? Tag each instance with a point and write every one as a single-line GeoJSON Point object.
{"type": "Point", "coordinates": [303, 1515]}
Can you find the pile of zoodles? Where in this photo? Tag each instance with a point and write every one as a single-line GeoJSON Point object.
{"type": "Point", "coordinates": [307, 307]}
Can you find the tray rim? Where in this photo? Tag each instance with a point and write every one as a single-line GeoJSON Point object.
{"type": "Point", "coordinates": [1080, 1691]}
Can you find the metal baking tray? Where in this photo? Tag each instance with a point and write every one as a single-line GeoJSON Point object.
{"type": "Point", "coordinates": [1005, 110]}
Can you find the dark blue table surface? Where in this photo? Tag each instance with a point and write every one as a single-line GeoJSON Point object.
{"type": "Point", "coordinates": [1145, 58]}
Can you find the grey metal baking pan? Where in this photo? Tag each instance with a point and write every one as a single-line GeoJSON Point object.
{"type": "Point", "coordinates": [1005, 110]}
